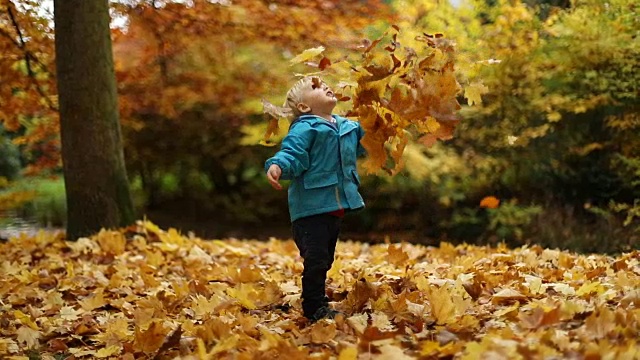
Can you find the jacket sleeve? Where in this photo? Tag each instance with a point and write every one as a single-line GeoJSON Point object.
{"type": "Point", "coordinates": [360, 151]}
{"type": "Point", "coordinates": [293, 157]}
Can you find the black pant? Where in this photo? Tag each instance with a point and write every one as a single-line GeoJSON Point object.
{"type": "Point", "coordinates": [316, 238]}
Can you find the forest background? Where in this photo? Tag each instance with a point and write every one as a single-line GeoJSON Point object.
{"type": "Point", "coordinates": [548, 136]}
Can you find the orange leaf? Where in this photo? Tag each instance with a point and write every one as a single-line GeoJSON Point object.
{"type": "Point", "coordinates": [490, 202]}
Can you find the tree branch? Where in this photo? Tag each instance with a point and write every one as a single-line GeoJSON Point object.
{"type": "Point", "coordinates": [28, 57]}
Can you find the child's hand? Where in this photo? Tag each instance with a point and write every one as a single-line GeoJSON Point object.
{"type": "Point", "coordinates": [273, 175]}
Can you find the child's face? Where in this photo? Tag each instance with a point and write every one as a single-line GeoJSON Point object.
{"type": "Point", "coordinates": [317, 98]}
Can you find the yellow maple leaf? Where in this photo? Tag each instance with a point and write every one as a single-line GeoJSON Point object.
{"type": "Point", "coordinates": [171, 240]}
{"type": "Point", "coordinates": [69, 313]}
{"type": "Point", "coordinates": [149, 226]}
{"type": "Point", "coordinates": [203, 306]}
{"type": "Point", "coordinates": [358, 323]}
{"type": "Point", "coordinates": [381, 321]}
{"type": "Point", "coordinates": [554, 116]}
{"type": "Point", "coordinates": [442, 306]}
{"type": "Point", "coordinates": [307, 55]}
{"type": "Point", "coordinates": [111, 242]}
{"type": "Point", "coordinates": [25, 319]}
{"type": "Point", "coordinates": [94, 301]}
{"type": "Point", "coordinates": [244, 293]}
{"type": "Point", "coordinates": [473, 93]}
{"type": "Point", "coordinates": [432, 124]}
{"type": "Point", "coordinates": [227, 344]}
{"type": "Point", "coordinates": [429, 347]}
{"type": "Point", "coordinates": [28, 336]}
{"type": "Point", "coordinates": [108, 351]}
{"type": "Point", "coordinates": [590, 287]}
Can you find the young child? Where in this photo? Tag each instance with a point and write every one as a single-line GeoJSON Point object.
{"type": "Point", "coordinates": [318, 155]}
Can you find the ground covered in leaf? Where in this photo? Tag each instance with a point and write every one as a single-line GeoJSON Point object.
{"type": "Point", "coordinates": [148, 293]}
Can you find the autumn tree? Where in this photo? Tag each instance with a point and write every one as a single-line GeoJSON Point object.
{"type": "Point", "coordinates": [208, 65]}
{"type": "Point", "coordinates": [27, 90]}
{"type": "Point", "coordinates": [95, 175]}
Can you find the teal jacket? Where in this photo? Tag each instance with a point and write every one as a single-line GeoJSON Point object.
{"type": "Point", "coordinates": [320, 160]}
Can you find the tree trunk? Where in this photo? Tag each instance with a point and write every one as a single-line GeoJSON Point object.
{"type": "Point", "coordinates": [93, 160]}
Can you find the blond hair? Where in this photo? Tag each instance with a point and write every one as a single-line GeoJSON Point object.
{"type": "Point", "coordinates": [294, 95]}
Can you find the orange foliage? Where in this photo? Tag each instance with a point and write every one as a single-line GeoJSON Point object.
{"type": "Point", "coordinates": [396, 92]}
{"type": "Point", "coordinates": [170, 58]}
{"type": "Point", "coordinates": [27, 89]}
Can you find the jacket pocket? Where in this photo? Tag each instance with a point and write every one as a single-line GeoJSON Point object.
{"type": "Point", "coordinates": [356, 178]}
{"type": "Point", "coordinates": [319, 180]}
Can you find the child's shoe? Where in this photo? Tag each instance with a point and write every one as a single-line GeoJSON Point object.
{"type": "Point", "coordinates": [325, 312]}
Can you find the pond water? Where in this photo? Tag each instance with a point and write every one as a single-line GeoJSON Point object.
{"type": "Point", "coordinates": [12, 223]}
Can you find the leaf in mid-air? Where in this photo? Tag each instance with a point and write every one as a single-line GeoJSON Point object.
{"type": "Point", "coordinates": [307, 55]}
{"type": "Point", "coordinates": [473, 93]}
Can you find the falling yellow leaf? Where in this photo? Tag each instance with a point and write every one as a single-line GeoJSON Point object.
{"type": "Point", "coordinates": [554, 116]}
{"type": "Point", "coordinates": [432, 124]}
{"type": "Point", "coordinates": [474, 92]}
{"type": "Point", "coordinates": [307, 55]}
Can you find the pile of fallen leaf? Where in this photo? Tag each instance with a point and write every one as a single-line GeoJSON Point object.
{"type": "Point", "coordinates": [148, 293]}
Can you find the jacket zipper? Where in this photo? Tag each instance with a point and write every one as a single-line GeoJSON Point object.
{"type": "Point", "coordinates": [340, 165]}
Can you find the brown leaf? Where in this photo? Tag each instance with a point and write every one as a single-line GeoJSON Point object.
{"type": "Point", "coordinates": [397, 256]}
{"type": "Point", "coordinates": [359, 296]}
{"type": "Point", "coordinates": [150, 340]}
{"type": "Point", "coordinates": [322, 332]}
{"type": "Point", "coordinates": [324, 63]}
{"type": "Point", "coordinates": [57, 345]}
{"type": "Point", "coordinates": [172, 341]}
{"type": "Point", "coordinates": [539, 317]}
